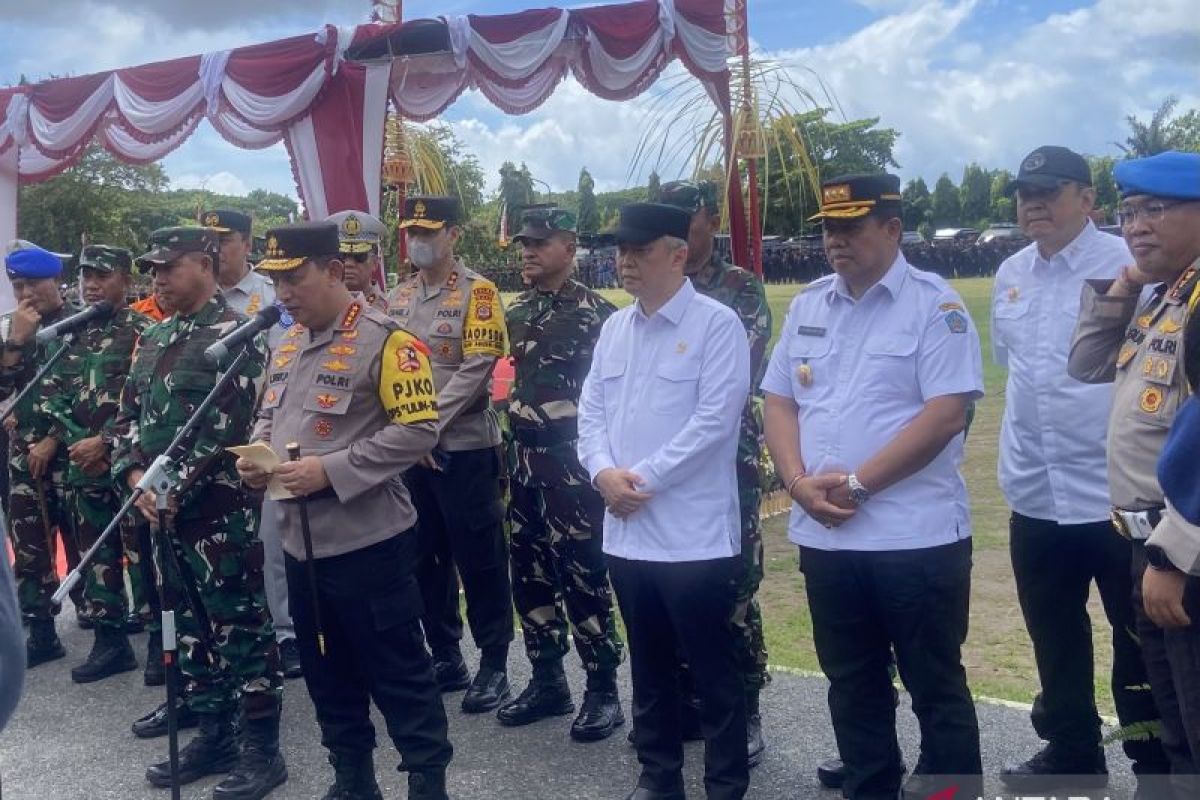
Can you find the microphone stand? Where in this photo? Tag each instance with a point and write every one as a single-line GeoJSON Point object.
{"type": "Point", "coordinates": [157, 478]}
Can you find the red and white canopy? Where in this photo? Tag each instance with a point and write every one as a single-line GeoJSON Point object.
{"type": "Point", "coordinates": [329, 110]}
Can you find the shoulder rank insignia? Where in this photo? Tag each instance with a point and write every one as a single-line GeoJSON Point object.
{"type": "Point", "coordinates": [327, 400]}
{"type": "Point", "coordinates": [342, 350]}
{"type": "Point", "coordinates": [452, 281]}
{"type": "Point", "coordinates": [254, 305]}
{"type": "Point", "coordinates": [352, 315]}
{"type": "Point", "coordinates": [1182, 285]}
{"type": "Point", "coordinates": [952, 306]}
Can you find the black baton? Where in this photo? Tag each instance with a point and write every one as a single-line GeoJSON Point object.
{"type": "Point", "coordinates": [294, 455]}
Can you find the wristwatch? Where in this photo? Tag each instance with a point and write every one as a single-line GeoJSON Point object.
{"type": "Point", "coordinates": [1156, 557]}
{"type": "Point", "coordinates": [858, 492]}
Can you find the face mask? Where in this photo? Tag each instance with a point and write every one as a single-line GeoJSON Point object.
{"type": "Point", "coordinates": [422, 253]}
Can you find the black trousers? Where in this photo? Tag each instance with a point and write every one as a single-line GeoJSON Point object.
{"type": "Point", "coordinates": [1054, 566]}
{"type": "Point", "coordinates": [864, 605]}
{"type": "Point", "coordinates": [684, 608]}
{"type": "Point", "coordinates": [1173, 664]}
{"type": "Point", "coordinates": [374, 650]}
{"type": "Point", "coordinates": [460, 523]}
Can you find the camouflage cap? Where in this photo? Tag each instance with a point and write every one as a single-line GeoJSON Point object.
{"type": "Point", "coordinates": [691, 196]}
{"type": "Point", "coordinates": [543, 221]}
{"type": "Point", "coordinates": [168, 244]}
{"type": "Point", "coordinates": [104, 258]}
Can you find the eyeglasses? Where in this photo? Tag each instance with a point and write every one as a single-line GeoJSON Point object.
{"type": "Point", "coordinates": [1153, 212]}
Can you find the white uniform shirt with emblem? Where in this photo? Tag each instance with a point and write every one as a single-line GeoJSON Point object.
{"type": "Point", "coordinates": [664, 398]}
{"type": "Point", "coordinates": [1052, 462]}
{"type": "Point", "coordinates": [860, 372]}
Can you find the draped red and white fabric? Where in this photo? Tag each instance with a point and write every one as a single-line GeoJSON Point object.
{"type": "Point", "coordinates": [329, 112]}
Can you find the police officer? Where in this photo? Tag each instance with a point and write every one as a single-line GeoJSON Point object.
{"type": "Point", "coordinates": [80, 398]}
{"type": "Point", "coordinates": [249, 292]}
{"type": "Point", "coordinates": [556, 518]}
{"type": "Point", "coordinates": [37, 460]}
{"type": "Point", "coordinates": [867, 394]}
{"type": "Point", "coordinates": [355, 392]}
{"type": "Point", "coordinates": [741, 291]}
{"type": "Point", "coordinates": [1134, 336]}
{"type": "Point", "coordinates": [1060, 536]}
{"type": "Point", "coordinates": [213, 520]}
{"type": "Point", "coordinates": [456, 489]}
{"type": "Point", "coordinates": [361, 236]}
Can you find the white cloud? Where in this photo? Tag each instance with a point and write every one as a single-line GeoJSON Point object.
{"type": "Point", "coordinates": [217, 183]}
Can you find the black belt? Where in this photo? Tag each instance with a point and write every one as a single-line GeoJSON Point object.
{"type": "Point", "coordinates": [545, 437]}
{"type": "Point", "coordinates": [1136, 525]}
{"type": "Point", "coordinates": [320, 494]}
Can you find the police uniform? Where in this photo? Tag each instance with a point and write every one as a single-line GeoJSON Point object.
{"type": "Point", "coordinates": [859, 371]}
{"type": "Point", "coordinates": [741, 291]}
{"type": "Point", "coordinates": [252, 294]}
{"type": "Point", "coordinates": [37, 507]}
{"type": "Point", "coordinates": [359, 395]}
{"type": "Point", "coordinates": [213, 534]}
{"type": "Point", "coordinates": [360, 233]}
{"type": "Point", "coordinates": [662, 399]}
{"type": "Point", "coordinates": [1137, 342]}
{"type": "Point", "coordinates": [81, 399]}
{"type": "Point", "coordinates": [459, 507]}
{"type": "Point", "coordinates": [555, 515]}
{"type": "Point", "coordinates": [1052, 476]}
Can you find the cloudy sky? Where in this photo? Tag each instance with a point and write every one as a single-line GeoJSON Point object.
{"type": "Point", "coordinates": [975, 80]}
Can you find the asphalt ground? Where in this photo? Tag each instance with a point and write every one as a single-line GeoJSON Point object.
{"type": "Point", "coordinates": [69, 742]}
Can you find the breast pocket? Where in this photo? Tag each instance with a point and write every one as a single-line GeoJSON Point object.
{"type": "Point", "coordinates": [890, 366]}
{"type": "Point", "coordinates": [612, 382]}
{"type": "Point", "coordinates": [810, 363]}
{"type": "Point", "coordinates": [1011, 319]}
{"type": "Point", "coordinates": [676, 387]}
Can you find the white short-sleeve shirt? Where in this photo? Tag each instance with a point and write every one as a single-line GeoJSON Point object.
{"type": "Point", "coordinates": [1052, 462]}
{"type": "Point", "coordinates": [860, 372]}
{"type": "Point", "coordinates": [664, 398]}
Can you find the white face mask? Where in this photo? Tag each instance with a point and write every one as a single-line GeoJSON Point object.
{"type": "Point", "coordinates": [422, 253]}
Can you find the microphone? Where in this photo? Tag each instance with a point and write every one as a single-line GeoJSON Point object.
{"type": "Point", "coordinates": [102, 310]}
{"type": "Point", "coordinates": [264, 319]}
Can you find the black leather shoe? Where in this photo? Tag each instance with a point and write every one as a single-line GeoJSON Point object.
{"type": "Point", "coordinates": [43, 643]}
{"type": "Point", "coordinates": [354, 777]}
{"type": "Point", "coordinates": [452, 676]}
{"type": "Point", "coordinates": [155, 674]}
{"type": "Point", "coordinates": [154, 724]}
{"type": "Point", "coordinates": [134, 623]}
{"type": "Point", "coordinates": [83, 620]}
{"type": "Point", "coordinates": [831, 773]}
{"type": "Point", "coordinates": [289, 655]}
{"type": "Point", "coordinates": [599, 716]}
{"type": "Point", "coordinates": [642, 793]}
{"type": "Point", "coordinates": [488, 691]}
{"type": "Point", "coordinates": [260, 766]}
{"type": "Point", "coordinates": [1049, 768]}
{"type": "Point", "coordinates": [212, 751]}
{"type": "Point", "coordinates": [541, 699]}
{"type": "Point", "coordinates": [755, 746]}
{"type": "Point", "coordinates": [427, 786]}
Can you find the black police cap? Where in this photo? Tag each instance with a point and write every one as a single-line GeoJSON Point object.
{"type": "Point", "coordinates": [289, 246]}
{"type": "Point", "coordinates": [642, 223]}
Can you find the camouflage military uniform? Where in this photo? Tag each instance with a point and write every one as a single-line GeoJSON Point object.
{"type": "Point", "coordinates": [213, 533]}
{"type": "Point", "coordinates": [555, 515]}
{"type": "Point", "coordinates": [80, 399]}
{"type": "Point", "coordinates": [743, 292]}
{"type": "Point", "coordinates": [33, 547]}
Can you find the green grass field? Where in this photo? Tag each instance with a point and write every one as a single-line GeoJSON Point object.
{"type": "Point", "coordinates": [998, 655]}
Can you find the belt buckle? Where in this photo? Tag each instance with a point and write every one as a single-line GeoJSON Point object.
{"type": "Point", "coordinates": [1120, 524]}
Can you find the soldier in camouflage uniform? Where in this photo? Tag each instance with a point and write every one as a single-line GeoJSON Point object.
{"type": "Point", "coordinates": [741, 291]}
{"type": "Point", "coordinates": [37, 461]}
{"type": "Point", "coordinates": [212, 532]}
{"type": "Point", "coordinates": [80, 398]}
{"type": "Point", "coordinates": [555, 515]}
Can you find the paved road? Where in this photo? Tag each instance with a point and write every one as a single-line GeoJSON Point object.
{"type": "Point", "coordinates": [71, 742]}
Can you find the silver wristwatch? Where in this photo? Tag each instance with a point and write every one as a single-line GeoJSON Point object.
{"type": "Point", "coordinates": [858, 492]}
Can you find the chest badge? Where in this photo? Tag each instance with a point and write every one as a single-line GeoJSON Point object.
{"type": "Point", "coordinates": [336, 365]}
{"type": "Point", "coordinates": [804, 375]}
{"type": "Point", "coordinates": [444, 350]}
{"type": "Point", "coordinates": [1127, 353]}
{"type": "Point", "coordinates": [342, 350]}
{"type": "Point", "coordinates": [1144, 320]}
{"type": "Point", "coordinates": [1013, 294]}
{"type": "Point", "coordinates": [1169, 326]}
{"type": "Point", "coordinates": [323, 428]}
{"type": "Point", "coordinates": [681, 348]}
{"type": "Point", "coordinates": [327, 400]}
{"type": "Point", "coordinates": [1151, 399]}
{"type": "Point", "coordinates": [283, 361]}
{"type": "Point", "coordinates": [288, 347]}
{"type": "Point", "coordinates": [349, 335]}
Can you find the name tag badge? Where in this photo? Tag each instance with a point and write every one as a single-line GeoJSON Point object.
{"type": "Point", "coordinates": [810, 330]}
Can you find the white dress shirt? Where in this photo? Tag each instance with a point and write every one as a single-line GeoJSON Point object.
{"type": "Point", "coordinates": [664, 398]}
{"type": "Point", "coordinates": [860, 372]}
{"type": "Point", "coordinates": [1052, 464]}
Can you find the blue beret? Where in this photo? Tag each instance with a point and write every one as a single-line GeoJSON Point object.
{"type": "Point", "coordinates": [1177, 462]}
{"type": "Point", "coordinates": [32, 262]}
{"type": "Point", "coordinates": [1171, 174]}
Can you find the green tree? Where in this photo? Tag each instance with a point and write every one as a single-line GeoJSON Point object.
{"type": "Point", "coordinates": [945, 204]}
{"type": "Point", "coordinates": [975, 196]}
{"type": "Point", "coordinates": [916, 203]}
{"type": "Point", "coordinates": [654, 187]}
{"type": "Point", "coordinates": [589, 216]}
{"type": "Point", "coordinates": [1003, 209]}
{"type": "Point", "coordinates": [1153, 137]}
{"type": "Point", "coordinates": [1185, 132]}
{"type": "Point", "coordinates": [1105, 185]}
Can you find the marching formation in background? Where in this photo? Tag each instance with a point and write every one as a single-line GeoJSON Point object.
{"type": "Point", "coordinates": [373, 476]}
